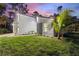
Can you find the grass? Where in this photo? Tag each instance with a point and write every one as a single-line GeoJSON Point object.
{"type": "Point", "coordinates": [36, 46]}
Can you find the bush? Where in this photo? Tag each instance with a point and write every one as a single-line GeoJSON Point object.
{"type": "Point", "coordinates": [3, 30]}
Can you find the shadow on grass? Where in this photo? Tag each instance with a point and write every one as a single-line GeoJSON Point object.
{"type": "Point", "coordinates": [74, 46]}
{"type": "Point", "coordinates": [74, 37]}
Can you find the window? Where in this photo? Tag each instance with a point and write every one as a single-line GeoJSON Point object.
{"type": "Point", "coordinates": [45, 27]}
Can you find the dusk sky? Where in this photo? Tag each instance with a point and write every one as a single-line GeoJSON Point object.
{"type": "Point", "coordinates": [51, 8]}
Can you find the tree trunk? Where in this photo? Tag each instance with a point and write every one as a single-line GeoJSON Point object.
{"type": "Point", "coordinates": [62, 36]}
{"type": "Point", "coordinates": [59, 35]}
{"type": "Point", "coordinates": [5, 25]}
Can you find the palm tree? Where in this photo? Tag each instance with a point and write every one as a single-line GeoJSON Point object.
{"type": "Point", "coordinates": [61, 21]}
{"type": "Point", "coordinates": [59, 9]}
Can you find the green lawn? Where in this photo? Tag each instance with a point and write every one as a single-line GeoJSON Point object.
{"type": "Point", "coordinates": [36, 45]}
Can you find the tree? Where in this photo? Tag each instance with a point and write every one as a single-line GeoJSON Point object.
{"type": "Point", "coordinates": [61, 20]}
{"type": "Point", "coordinates": [59, 9]}
{"type": "Point", "coordinates": [3, 20]}
{"type": "Point", "coordinates": [20, 7]}
{"type": "Point", "coordinates": [14, 5]}
{"type": "Point", "coordinates": [2, 8]}
{"type": "Point", "coordinates": [23, 8]}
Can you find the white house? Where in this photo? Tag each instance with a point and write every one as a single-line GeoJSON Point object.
{"type": "Point", "coordinates": [24, 24]}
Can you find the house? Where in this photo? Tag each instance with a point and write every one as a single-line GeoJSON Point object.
{"type": "Point", "coordinates": [25, 25]}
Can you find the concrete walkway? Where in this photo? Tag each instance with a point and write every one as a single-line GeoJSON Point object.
{"type": "Point", "coordinates": [12, 35]}
{"type": "Point", "coordinates": [7, 35]}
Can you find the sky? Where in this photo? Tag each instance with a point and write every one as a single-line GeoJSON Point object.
{"type": "Point", "coordinates": [51, 8]}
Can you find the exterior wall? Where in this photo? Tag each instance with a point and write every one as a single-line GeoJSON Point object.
{"type": "Point", "coordinates": [39, 28]}
{"type": "Point", "coordinates": [24, 24]}
{"type": "Point", "coordinates": [48, 29]}
{"type": "Point", "coordinates": [39, 25]}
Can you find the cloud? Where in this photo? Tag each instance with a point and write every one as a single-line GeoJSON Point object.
{"type": "Point", "coordinates": [50, 8]}
{"type": "Point", "coordinates": [34, 6]}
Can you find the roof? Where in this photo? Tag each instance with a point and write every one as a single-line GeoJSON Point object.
{"type": "Point", "coordinates": [31, 15]}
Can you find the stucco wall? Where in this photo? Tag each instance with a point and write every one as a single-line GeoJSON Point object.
{"type": "Point", "coordinates": [25, 24]}
{"type": "Point", "coordinates": [48, 29]}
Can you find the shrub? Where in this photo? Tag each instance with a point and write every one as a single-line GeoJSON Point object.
{"type": "Point", "coordinates": [3, 30]}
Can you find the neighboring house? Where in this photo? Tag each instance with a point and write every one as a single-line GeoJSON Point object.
{"type": "Point", "coordinates": [24, 24]}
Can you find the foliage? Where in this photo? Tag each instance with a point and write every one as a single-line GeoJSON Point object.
{"type": "Point", "coordinates": [2, 8]}
{"type": "Point", "coordinates": [59, 9]}
{"type": "Point", "coordinates": [2, 5]}
{"type": "Point", "coordinates": [62, 20]}
{"type": "Point", "coordinates": [20, 7]}
{"type": "Point", "coordinates": [74, 46]}
{"type": "Point", "coordinates": [3, 20]}
{"type": "Point", "coordinates": [3, 30]}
